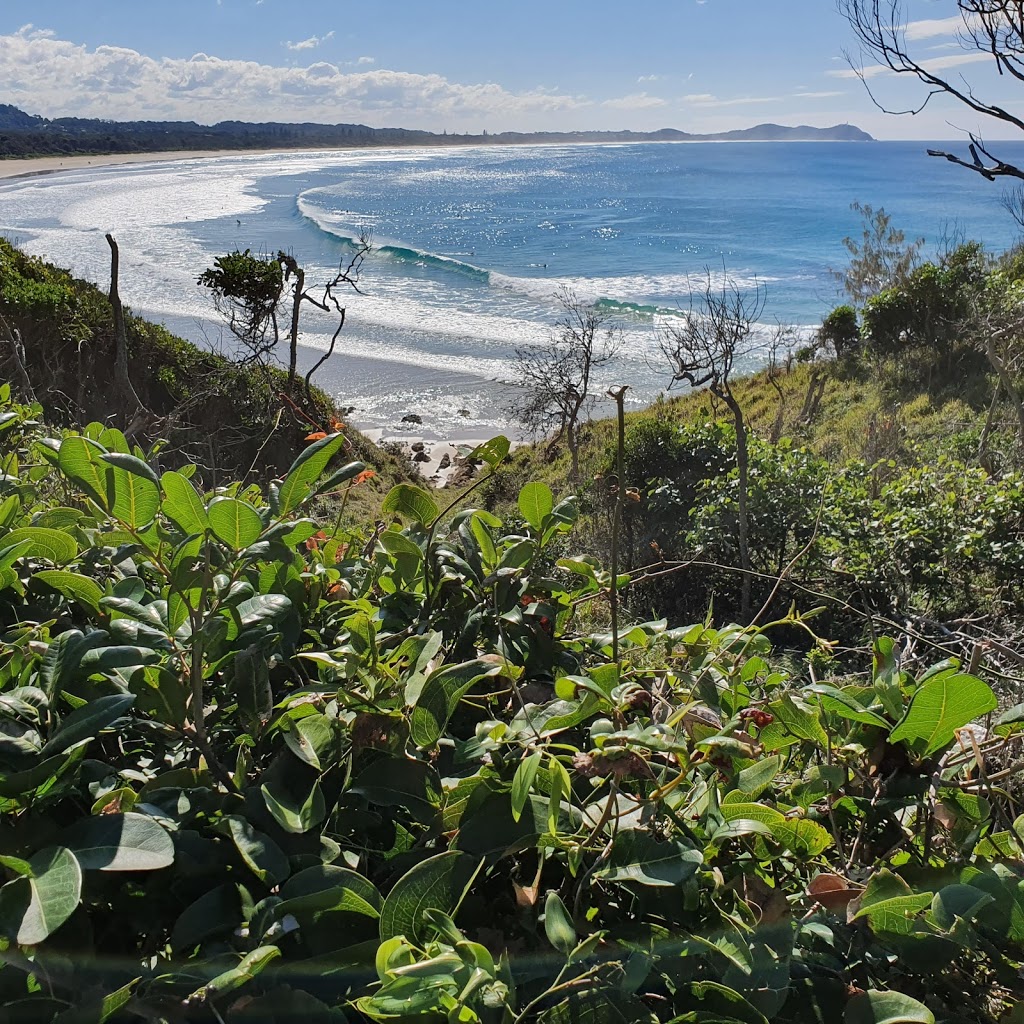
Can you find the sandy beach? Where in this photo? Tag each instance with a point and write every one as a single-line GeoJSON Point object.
{"type": "Point", "coordinates": [15, 167]}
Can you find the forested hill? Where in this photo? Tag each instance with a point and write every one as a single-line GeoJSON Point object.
{"type": "Point", "coordinates": [23, 134]}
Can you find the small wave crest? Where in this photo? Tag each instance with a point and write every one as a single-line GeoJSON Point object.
{"type": "Point", "coordinates": [349, 233]}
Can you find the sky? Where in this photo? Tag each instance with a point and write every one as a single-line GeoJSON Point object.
{"type": "Point", "coordinates": [473, 66]}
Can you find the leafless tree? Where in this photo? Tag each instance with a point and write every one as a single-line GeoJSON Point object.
{"type": "Point", "coordinates": [555, 381]}
{"type": "Point", "coordinates": [255, 294]}
{"type": "Point", "coordinates": [994, 28]}
{"type": "Point", "coordinates": [702, 350]}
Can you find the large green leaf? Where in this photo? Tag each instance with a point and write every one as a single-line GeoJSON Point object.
{"type": "Point", "coordinates": [440, 696]}
{"type": "Point", "coordinates": [493, 452]}
{"type": "Point", "coordinates": [411, 502]}
{"type": "Point", "coordinates": [558, 926]}
{"type": "Point", "coordinates": [136, 489]}
{"type": "Point", "coordinates": [535, 503]}
{"type": "Point", "coordinates": [74, 586]}
{"type": "Point", "coordinates": [120, 842]}
{"type": "Point", "coordinates": [79, 460]}
{"type": "Point", "coordinates": [640, 858]}
{"type": "Point", "coordinates": [306, 470]}
{"type": "Point", "coordinates": [888, 904]}
{"type": "Point", "coordinates": [939, 707]}
{"type": "Point", "coordinates": [234, 522]}
{"type": "Point", "coordinates": [886, 1008]}
{"type": "Point", "coordinates": [328, 889]}
{"type": "Point", "coordinates": [87, 721]}
{"type": "Point", "coordinates": [803, 837]}
{"type": "Point", "coordinates": [296, 806]}
{"type": "Point", "coordinates": [54, 546]}
{"type": "Point", "coordinates": [182, 505]}
{"type": "Point", "coordinates": [33, 907]}
{"type": "Point", "coordinates": [437, 884]}
{"type": "Point", "coordinates": [261, 854]}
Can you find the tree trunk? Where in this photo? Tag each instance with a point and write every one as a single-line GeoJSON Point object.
{"type": "Point", "coordinates": [121, 376]}
{"type": "Point", "coordinates": [13, 339]}
{"type": "Point", "coordinates": [293, 332]}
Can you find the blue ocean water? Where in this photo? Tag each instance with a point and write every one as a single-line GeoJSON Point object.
{"type": "Point", "coordinates": [473, 245]}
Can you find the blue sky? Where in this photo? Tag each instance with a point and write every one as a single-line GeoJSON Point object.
{"type": "Point", "coordinates": [469, 65]}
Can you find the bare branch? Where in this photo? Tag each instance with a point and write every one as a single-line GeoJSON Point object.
{"type": "Point", "coordinates": [994, 28]}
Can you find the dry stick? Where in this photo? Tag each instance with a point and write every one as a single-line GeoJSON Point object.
{"type": "Point", "coordinates": [618, 393]}
{"type": "Point", "coordinates": [121, 375]}
{"type": "Point", "coordinates": [13, 339]}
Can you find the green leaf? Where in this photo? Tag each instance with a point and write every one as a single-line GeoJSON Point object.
{"type": "Point", "coordinates": [33, 908]}
{"type": "Point", "coordinates": [522, 783]}
{"type": "Point", "coordinates": [719, 1004]}
{"type": "Point", "coordinates": [558, 926]}
{"type": "Point", "coordinates": [437, 883]}
{"type": "Point", "coordinates": [136, 489]}
{"type": "Point", "coordinates": [251, 966]}
{"type": "Point", "coordinates": [120, 842]}
{"type": "Point", "coordinates": [327, 889]}
{"type": "Point", "coordinates": [216, 912]}
{"type": "Point", "coordinates": [441, 693]}
{"type": "Point", "coordinates": [753, 781]}
{"type": "Point", "coordinates": [803, 837]}
{"type": "Point", "coordinates": [306, 470]}
{"type": "Point", "coordinates": [640, 858]}
{"type": "Point", "coordinates": [938, 708]}
{"type": "Point", "coordinates": [535, 503]}
{"type": "Point", "coordinates": [875, 1007]}
{"type": "Point", "coordinates": [295, 808]}
{"type": "Point", "coordinates": [79, 460]}
{"type": "Point", "coordinates": [954, 902]}
{"type": "Point", "coordinates": [182, 505]}
{"type": "Point", "coordinates": [412, 503]}
{"type": "Point", "coordinates": [339, 476]}
{"type": "Point", "coordinates": [311, 739]}
{"type": "Point", "coordinates": [87, 721]}
{"type": "Point", "coordinates": [261, 854]}
{"type": "Point", "coordinates": [234, 522]}
{"type": "Point", "coordinates": [99, 1010]}
{"type": "Point", "coordinates": [494, 452]}
{"type": "Point", "coordinates": [73, 586]}
{"type": "Point", "coordinates": [52, 545]}
{"type": "Point", "coordinates": [889, 904]}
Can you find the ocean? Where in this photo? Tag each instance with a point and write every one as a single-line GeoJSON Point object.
{"type": "Point", "coordinates": [472, 246]}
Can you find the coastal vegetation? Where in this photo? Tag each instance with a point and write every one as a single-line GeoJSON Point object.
{"type": "Point", "coordinates": [23, 135]}
{"type": "Point", "coordinates": [275, 745]}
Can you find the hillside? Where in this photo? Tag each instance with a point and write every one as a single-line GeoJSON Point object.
{"type": "Point", "coordinates": [23, 134]}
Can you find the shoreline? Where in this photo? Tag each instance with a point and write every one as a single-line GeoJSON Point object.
{"type": "Point", "coordinates": [34, 166]}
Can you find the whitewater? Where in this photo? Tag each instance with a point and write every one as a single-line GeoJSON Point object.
{"type": "Point", "coordinates": [473, 246]}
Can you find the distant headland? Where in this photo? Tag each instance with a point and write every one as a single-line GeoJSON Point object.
{"type": "Point", "coordinates": [24, 135]}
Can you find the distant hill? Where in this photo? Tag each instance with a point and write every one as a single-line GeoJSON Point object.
{"type": "Point", "coordinates": [24, 134]}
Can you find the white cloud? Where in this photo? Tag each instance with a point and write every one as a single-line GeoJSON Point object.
{"type": "Point", "coordinates": [648, 78]}
{"type": "Point", "coordinates": [825, 94]}
{"type": "Point", "coordinates": [311, 43]}
{"type": "Point", "coordinates": [635, 101]}
{"type": "Point", "coordinates": [935, 64]}
{"type": "Point", "coordinates": [367, 60]}
{"type": "Point", "coordinates": [706, 99]}
{"type": "Point", "coordinates": [929, 28]}
{"type": "Point", "coordinates": [57, 77]}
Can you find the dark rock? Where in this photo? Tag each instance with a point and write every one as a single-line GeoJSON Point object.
{"type": "Point", "coordinates": [418, 446]}
{"type": "Point", "coordinates": [412, 418]}
{"type": "Point", "coordinates": [421, 457]}
{"type": "Point", "coordinates": [446, 461]}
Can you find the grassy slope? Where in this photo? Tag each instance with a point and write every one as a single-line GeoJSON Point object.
{"type": "Point", "coordinates": [865, 413]}
{"type": "Point", "coordinates": [229, 419]}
